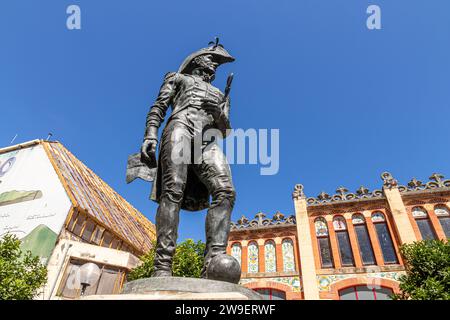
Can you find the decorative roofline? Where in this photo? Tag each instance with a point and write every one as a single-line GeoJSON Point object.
{"type": "Point", "coordinates": [362, 193]}
{"type": "Point", "coordinates": [260, 221]}
{"type": "Point", "coordinates": [437, 181]}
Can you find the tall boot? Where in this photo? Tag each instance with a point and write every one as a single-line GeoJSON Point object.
{"type": "Point", "coordinates": [167, 218]}
{"type": "Point", "coordinates": [217, 228]}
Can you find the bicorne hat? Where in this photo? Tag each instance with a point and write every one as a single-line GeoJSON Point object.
{"type": "Point", "coordinates": [218, 52]}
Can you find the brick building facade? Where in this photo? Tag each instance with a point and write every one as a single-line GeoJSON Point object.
{"type": "Point", "coordinates": [341, 246]}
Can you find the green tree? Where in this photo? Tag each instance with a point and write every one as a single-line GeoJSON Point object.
{"type": "Point", "coordinates": [427, 266]}
{"type": "Point", "coordinates": [21, 274]}
{"type": "Point", "coordinates": [187, 261]}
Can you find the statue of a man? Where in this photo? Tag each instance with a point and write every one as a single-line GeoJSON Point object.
{"type": "Point", "coordinates": [196, 106]}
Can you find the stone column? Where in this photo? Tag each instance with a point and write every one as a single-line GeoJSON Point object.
{"type": "Point", "coordinates": [333, 243]}
{"type": "Point", "coordinates": [279, 254]}
{"type": "Point", "coordinates": [354, 242]}
{"type": "Point", "coordinates": [261, 256]}
{"type": "Point", "coordinates": [374, 239]}
{"type": "Point", "coordinates": [244, 256]}
{"type": "Point", "coordinates": [403, 225]}
{"type": "Point", "coordinates": [305, 245]}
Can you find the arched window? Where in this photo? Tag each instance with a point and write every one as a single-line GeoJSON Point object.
{"type": "Point", "coordinates": [323, 241]}
{"type": "Point", "coordinates": [287, 248]}
{"type": "Point", "coordinates": [253, 257]}
{"type": "Point", "coordinates": [363, 292]}
{"type": "Point", "coordinates": [443, 215]}
{"type": "Point", "coordinates": [345, 249]}
{"type": "Point", "coordinates": [270, 257]}
{"type": "Point", "coordinates": [236, 252]}
{"type": "Point", "coordinates": [362, 235]}
{"type": "Point", "coordinates": [424, 223]}
{"type": "Point", "coordinates": [384, 238]}
{"type": "Point", "coordinates": [271, 294]}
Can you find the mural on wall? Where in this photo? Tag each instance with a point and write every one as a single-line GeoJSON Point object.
{"type": "Point", "coordinates": [33, 203]}
{"type": "Point", "coordinates": [325, 281]}
{"type": "Point", "coordinates": [294, 282]}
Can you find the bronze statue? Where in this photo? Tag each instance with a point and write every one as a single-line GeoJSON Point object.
{"type": "Point", "coordinates": [196, 106]}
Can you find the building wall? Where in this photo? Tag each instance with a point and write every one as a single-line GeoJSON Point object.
{"type": "Point", "coordinates": [33, 204]}
{"type": "Point", "coordinates": [393, 212]}
{"type": "Point", "coordinates": [68, 250]}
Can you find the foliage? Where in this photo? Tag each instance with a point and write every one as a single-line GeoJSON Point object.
{"type": "Point", "coordinates": [21, 274]}
{"type": "Point", "coordinates": [187, 261]}
{"type": "Point", "coordinates": [427, 266]}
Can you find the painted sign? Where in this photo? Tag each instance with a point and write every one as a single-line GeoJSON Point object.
{"type": "Point", "coordinates": [33, 203]}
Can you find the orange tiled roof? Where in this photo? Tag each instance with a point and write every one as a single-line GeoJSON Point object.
{"type": "Point", "coordinates": [97, 199]}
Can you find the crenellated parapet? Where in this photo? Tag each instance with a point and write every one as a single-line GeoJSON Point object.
{"type": "Point", "coordinates": [260, 221]}
{"type": "Point", "coordinates": [437, 181]}
{"type": "Point", "coordinates": [342, 194]}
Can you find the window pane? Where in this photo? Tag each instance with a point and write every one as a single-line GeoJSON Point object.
{"type": "Point", "coordinates": [236, 252]}
{"type": "Point", "coordinates": [79, 225]}
{"type": "Point", "coordinates": [264, 292]}
{"type": "Point", "coordinates": [72, 221]}
{"type": "Point", "coordinates": [107, 238]}
{"type": "Point", "coordinates": [325, 253]}
{"type": "Point", "coordinates": [109, 282]}
{"type": "Point", "coordinates": [278, 295]}
{"type": "Point", "coordinates": [345, 249]}
{"type": "Point", "coordinates": [88, 230]}
{"type": "Point", "coordinates": [253, 258]}
{"type": "Point", "coordinates": [98, 234]}
{"type": "Point", "coordinates": [348, 294]}
{"type": "Point", "coordinates": [426, 230]}
{"type": "Point", "coordinates": [271, 294]}
{"type": "Point", "coordinates": [71, 288]}
{"type": "Point", "coordinates": [321, 227]}
{"type": "Point", "coordinates": [365, 293]}
{"type": "Point", "coordinates": [445, 223]}
{"type": "Point", "coordinates": [287, 248]}
{"type": "Point", "coordinates": [384, 238]}
{"type": "Point", "coordinates": [383, 294]}
{"type": "Point", "coordinates": [365, 247]}
{"type": "Point", "coordinates": [270, 262]}
{"type": "Point", "coordinates": [115, 243]}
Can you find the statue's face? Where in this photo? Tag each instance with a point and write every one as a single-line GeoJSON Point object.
{"type": "Point", "coordinates": [207, 63]}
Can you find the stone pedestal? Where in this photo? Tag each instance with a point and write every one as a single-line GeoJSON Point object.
{"type": "Point", "coordinates": [178, 288]}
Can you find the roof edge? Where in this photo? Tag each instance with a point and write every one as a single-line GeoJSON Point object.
{"type": "Point", "coordinates": [22, 145]}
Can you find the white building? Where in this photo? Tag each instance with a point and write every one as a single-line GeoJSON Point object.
{"type": "Point", "coordinates": [64, 213]}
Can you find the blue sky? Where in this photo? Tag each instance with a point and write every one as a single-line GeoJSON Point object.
{"type": "Point", "coordinates": [350, 103]}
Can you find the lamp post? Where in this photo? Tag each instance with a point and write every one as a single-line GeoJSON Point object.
{"type": "Point", "coordinates": [89, 275]}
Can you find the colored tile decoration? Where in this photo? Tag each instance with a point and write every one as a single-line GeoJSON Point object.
{"type": "Point", "coordinates": [253, 258]}
{"type": "Point", "coordinates": [270, 260]}
{"type": "Point", "coordinates": [236, 252]}
{"type": "Point", "coordinates": [287, 249]}
{"type": "Point", "coordinates": [419, 212]}
{"type": "Point", "coordinates": [441, 211]}
{"type": "Point", "coordinates": [339, 223]}
{"type": "Point", "coordinates": [378, 217]}
{"type": "Point", "coordinates": [321, 227]}
{"type": "Point", "coordinates": [293, 282]}
{"type": "Point", "coordinates": [358, 219]}
{"type": "Point", "coordinates": [325, 281]}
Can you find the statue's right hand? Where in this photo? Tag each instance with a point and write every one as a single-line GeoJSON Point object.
{"type": "Point", "coordinates": [148, 152]}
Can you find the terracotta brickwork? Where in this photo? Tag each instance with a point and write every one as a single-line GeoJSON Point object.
{"type": "Point", "coordinates": [364, 225]}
